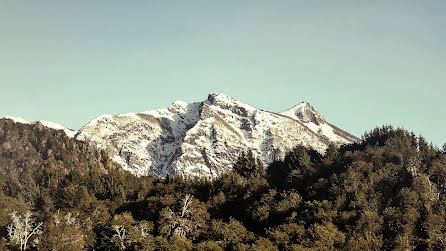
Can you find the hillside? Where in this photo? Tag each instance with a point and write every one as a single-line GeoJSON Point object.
{"type": "Point", "coordinates": [385, 193]}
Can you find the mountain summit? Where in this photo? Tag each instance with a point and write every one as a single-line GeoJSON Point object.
{"type": "Point", "coordinates": [305, 113]}
{"type": "Point", "coordinates": [310, 117]}
{"type": "Point", "coordinates": [205, 138]}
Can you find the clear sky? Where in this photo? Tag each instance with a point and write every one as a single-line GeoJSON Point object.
{"type": "Point", "coordinates": [360, 63]}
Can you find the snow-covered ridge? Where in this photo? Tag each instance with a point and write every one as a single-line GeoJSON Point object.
{"type": "Point", "coordinates": [205, 138]}
{"type": "Point", "coordinates": [69, 132]}
{"type": "Point", "coordinates": [17, 119]}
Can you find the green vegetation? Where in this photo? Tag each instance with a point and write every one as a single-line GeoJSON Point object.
{"type": "Point", "coordinates": [385, 193]}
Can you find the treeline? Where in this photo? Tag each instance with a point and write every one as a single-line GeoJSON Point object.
{"type": "Point", "coordinates": [385, 193]}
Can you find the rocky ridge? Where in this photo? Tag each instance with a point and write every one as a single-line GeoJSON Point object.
{"type": "Point", "coordinates": [205, 138]}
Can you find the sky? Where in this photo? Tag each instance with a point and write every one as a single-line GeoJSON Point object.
{"type": "Point", "coordinates": [361, 64]}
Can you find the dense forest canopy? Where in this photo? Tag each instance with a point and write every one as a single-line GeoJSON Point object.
{"type": "Point", "coordinates": [385, 193]}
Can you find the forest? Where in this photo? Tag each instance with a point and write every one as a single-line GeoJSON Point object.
{"type": "Point", "coordinates": [386, 192]}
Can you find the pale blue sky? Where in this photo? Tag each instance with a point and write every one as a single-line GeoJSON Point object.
{"type": "Point", "coordinates": [360, 63]}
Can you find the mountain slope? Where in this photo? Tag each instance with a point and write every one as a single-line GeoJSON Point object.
{"type": "Point", "coordinates": [205, 138]}
{"type": "Point", "coordinates": [30, 146]}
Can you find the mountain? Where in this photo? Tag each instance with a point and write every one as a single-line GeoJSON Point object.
{"type": "Point", "coordinates": [69, 132]}
{"type": "Point", "coordinates": [205, 138]}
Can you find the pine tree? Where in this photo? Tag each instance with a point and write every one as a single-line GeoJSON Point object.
{"type": "Point", "coordinates": [249, 166]}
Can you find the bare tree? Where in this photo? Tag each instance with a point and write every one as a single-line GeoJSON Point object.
{"type": "Point", "coordinates": [71, 220]}
{"type": "Point", "coordinates": [120, 235]}
{"type": "Point", "coordinates": [185, 209]}
{"type": "Point", "coordinates": [145, 229]}
{"type": "Point", "coordinates": [433, 194]}
{"type": "Point", "coordinates": [413, 164]}
{"type": "Point", "coordinates": [180, 223]}
{"type": "Point", "coordinates": [22, 229]}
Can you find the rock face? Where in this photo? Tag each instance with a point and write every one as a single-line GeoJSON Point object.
{"type": "Point", "coordinates": [205, 138]}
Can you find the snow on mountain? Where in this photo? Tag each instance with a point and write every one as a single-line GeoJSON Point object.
{"type": "Point", "coordinates": [205, 138]}
{"type": "Point", "coordinates": [70, 133]}
{"type": "Point", "coordinates": [17, 120]}
{"type": "Point", "coordinates": [305, 113]}
{"type": "Point", "coordinates": [311, 118]}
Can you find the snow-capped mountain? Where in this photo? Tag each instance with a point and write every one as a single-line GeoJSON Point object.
{"type": "Point", "coordinates": [205, 138]}
{"type": "Point", "coordinates": [69, 132]}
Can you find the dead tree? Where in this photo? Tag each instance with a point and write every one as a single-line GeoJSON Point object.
{"type": "Point", "coordinates": [22, 229]}
{"type": "Point", "coordinates": [179, 223]}
{"type": "Point", "coordinates": [120, 235]}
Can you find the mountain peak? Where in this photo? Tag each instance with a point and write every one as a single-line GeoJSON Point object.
{"type": "Point", "coordinates": [227, 102]}
{"type": "Point", "coordinates": [213, 97]}
{"type": "Point", "coordinates": [305, 113]}
{"type": "Point", "coordinates": [215, 94]}
{"type": "Point", "coordinates": [179, 103]}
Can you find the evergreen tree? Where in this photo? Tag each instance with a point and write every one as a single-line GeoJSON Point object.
{"type": "Point", "coordinates": [247, 165]}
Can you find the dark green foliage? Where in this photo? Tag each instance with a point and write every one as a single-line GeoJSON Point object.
{"type": "Point", "coordinates": [385, 193]}
{"type": "Point", "coordinates": [249, 166]}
